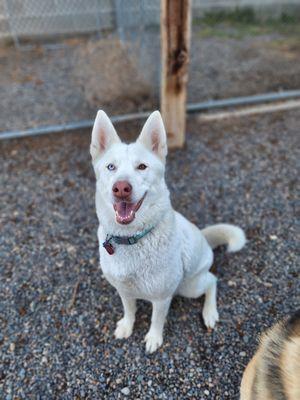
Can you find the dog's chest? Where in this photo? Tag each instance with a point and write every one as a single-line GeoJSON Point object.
{"type": "Point", "coordinates": [144, 270]}
{"type": "Point", "coordinates": [129, 282]}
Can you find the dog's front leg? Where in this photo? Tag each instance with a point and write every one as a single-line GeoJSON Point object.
{"type": "Point", "coordinates": [125, 325]}
{"type": "Point", "coordinates": [154, 337]}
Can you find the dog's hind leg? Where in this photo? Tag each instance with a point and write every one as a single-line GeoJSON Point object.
{"type": "Point", "coordinates": [125, 325]}
{"type": "Point", "coordinates": [210, 313]}
{"type": "Point", "coordinates": [203, 283]}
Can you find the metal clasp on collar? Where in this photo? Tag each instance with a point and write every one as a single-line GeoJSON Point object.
{"type": "Point", "coordinates": [132, 240]}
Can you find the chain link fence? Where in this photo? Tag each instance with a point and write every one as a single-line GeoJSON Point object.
{"type": "Point", "coordinates": [40, 19]}
{"type": "Point", "coordinates": [61, 60]}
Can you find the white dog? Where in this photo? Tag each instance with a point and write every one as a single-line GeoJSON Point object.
{"type": "Point", "coordinates": [147, 249]}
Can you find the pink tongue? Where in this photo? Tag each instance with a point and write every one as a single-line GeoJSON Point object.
{"type": "Point", "coordinates": [125, 212]}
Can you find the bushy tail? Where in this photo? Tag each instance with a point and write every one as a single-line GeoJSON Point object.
{"type": "Point", "coordinates": [219, 234]}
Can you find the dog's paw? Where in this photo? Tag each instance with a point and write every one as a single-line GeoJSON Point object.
{"type": "Point", "coordinates": [124, 329]}
{"type": "Point", "coordinates": [153, 341]}
{"type": "Point", "coordinates": [210, 317]}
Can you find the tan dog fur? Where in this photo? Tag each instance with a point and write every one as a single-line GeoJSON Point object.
{"type": "Point", "coordinates": [274, 371]}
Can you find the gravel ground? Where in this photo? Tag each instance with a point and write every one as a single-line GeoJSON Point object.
{"type": "Point", "coordinates": [43, 87]}
{"type": "Point", "coordinates": [57, 313]}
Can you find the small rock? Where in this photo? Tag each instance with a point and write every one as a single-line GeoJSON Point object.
{"type": "Point", "coordinates": [12, 347]}
{"type": "Point", "coordinates": [246, 339]}
{"type": "Point", "coordinates": [243, 354]}
{"type": "Point", "coordinates": [71, 249]}
{"type": "Point", "coordinates": [119, 352]}
{"type": "Point", "coordinates": [125, 391]}
{"type": "Point", "coordinates": [22, 373]}
{"type": "Point", "coordinates": [267, 284]}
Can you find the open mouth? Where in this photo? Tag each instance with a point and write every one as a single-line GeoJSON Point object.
{"type": "Point", "coordinates": [125, 211]}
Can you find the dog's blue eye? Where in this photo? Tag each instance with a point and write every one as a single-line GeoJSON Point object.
{"type": "Point", "coordinates": [142, 166]}
{"type": "Point", "coordinates": [111, 167]}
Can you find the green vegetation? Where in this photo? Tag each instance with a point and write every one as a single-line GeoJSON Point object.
{"type": "Point", "coordinates": [238, 15]}
{"type": "Point", "coordinates": [241, 22]}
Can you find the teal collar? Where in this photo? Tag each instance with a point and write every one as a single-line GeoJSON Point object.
{"type": "Point", "coordinates": [126, 240]}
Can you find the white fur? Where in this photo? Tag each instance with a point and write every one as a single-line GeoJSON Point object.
{"type": "Point", "coordinates": [175, 257]}
{"type": "Point", "coordinates": [219, 234]}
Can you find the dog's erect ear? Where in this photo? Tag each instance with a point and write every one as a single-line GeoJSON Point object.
{"type": "Point", "coordinates": [103, 135]}
{"type": "Point", "coordinates": [153, 136]}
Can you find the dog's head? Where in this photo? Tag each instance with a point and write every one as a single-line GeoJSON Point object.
{"type": "Point", "coordinates": [130, 177]}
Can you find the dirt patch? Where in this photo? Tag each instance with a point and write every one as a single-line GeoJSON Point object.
{"type": "Point", "coordinates": [71, 82]}
{"type": "Point", "coordinates": [108, 72]}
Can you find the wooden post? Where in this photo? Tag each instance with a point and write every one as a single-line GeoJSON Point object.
{"type": "Point", "coordinates": [175, 44]}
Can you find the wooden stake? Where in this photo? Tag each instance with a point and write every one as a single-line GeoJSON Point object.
{"type": "Point", "coordinates": [175, 44]}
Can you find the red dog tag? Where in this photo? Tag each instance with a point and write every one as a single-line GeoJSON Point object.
{"type": "Point", "coordinates": [109, 248]}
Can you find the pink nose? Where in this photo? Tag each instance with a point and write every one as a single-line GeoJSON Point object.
{"type": "Point", "coordinates": [122, 189]}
